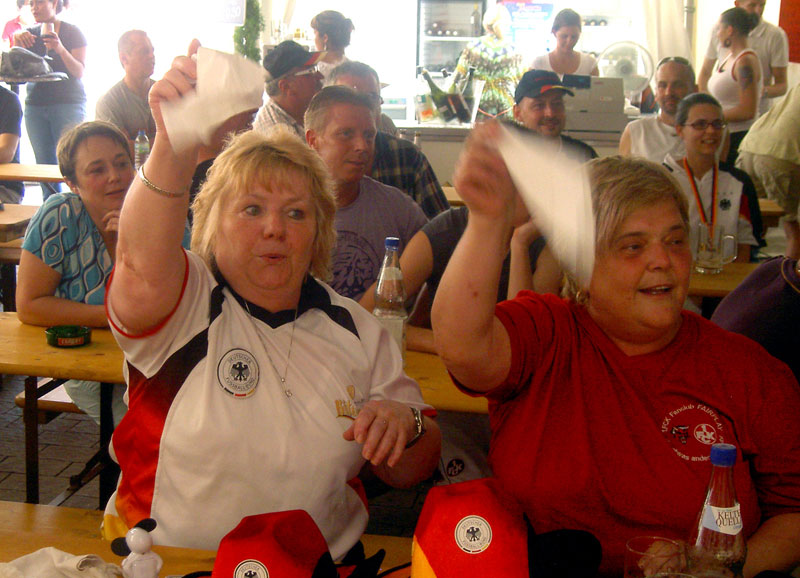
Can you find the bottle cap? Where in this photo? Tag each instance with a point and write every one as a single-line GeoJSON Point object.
{"type": "Point", "coordinates": [392, 243]}
{"type": "Point", "coordinates": [141, 132]}
{"type": "Point", "coordinates": [723, 454]}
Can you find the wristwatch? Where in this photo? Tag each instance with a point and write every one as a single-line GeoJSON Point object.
{"type": "Point", "coordinates": [419, 427]}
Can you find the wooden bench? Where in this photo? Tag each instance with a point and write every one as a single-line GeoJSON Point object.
{"type": "Point", "coordinates": [53, 400]}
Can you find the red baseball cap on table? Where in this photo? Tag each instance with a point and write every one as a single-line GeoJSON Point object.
{"type": "Point", "coordinates": [275, 545]}
{"type": "Point", "coordinates": [470, 529]}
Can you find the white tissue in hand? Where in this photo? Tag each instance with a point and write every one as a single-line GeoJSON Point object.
{"type": "Point", "coordinates": [227, 84]}
{"type": "Point", "coordinates": [556, 191]}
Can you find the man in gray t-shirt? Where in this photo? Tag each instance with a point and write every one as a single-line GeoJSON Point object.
{"type": "Point", "coordinates": [340, 126]}
{"type": "Point", "coordinates": [125, 104]}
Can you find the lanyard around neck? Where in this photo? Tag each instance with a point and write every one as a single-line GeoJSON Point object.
{"type": "Point", "coordinates": [699, 201]}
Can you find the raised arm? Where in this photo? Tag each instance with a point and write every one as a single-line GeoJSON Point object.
{"type": "Point", "coordinates": [470, 339]}
{"type": "Point", "coordinates": [150, 264]}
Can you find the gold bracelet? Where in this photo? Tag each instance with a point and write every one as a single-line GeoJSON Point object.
{"type": "Point", "coordinates": [156, 189]}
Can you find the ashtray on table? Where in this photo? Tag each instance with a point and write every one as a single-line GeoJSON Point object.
{"type": "Point", "coordinates": [68, 335]}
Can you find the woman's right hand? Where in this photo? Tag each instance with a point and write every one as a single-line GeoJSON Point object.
{"type": "Point", "coordinates": [177, 82]}
{"type": "Point", "coordinates": [482, 178]}
{"type": "Point", "coordinates": [24, 38]}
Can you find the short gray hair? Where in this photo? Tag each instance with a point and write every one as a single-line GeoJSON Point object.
{"type": "Point", "coordinates": [353, 68]}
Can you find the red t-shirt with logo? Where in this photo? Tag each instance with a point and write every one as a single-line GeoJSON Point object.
{"type": "Point", "coordinates": [587, 437]}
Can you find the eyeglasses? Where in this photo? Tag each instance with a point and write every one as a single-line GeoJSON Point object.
{"type": "Point", "coordinates": [702, 124]}
{"type": "Point", "coordinates": [311, 70]}
{"type": "Point", "coordinates": [677, 59]}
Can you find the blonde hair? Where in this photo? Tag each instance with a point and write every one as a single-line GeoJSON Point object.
{"type": "Point", "coordinates": [254, 158]}
{"type": "Point", "coordinates": [621, 186]}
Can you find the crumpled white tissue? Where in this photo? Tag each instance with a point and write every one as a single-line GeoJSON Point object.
{"type": "Point", "coordinates": [227, 84]}
{"type": "Point", "coordinates": [556, 190]}
{"type": "Point", "coordinates": [54, 563]}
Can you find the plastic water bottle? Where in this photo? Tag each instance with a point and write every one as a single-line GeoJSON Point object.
{"type": "Point", "coordinates": [390, 296]}
{"type": "Point", "coordinates": [141, 149]}
{"type": "Point", "coordinates": [717, 541]}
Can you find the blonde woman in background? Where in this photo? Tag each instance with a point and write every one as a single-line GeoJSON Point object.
{"type": "Point", "coordinates": [495, 62]}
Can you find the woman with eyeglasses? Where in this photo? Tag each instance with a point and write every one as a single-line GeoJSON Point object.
{"type": "Point", "coordinates": [736, 80]}
{"type": "Point", "coordinates": [717, 196]}
{"type": "Point", "coordinates": [564, 59]}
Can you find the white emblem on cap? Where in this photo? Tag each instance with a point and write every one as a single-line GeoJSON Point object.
{"type": "Point", "coordinates": [237, 373]}
{"type": "Point", "coordinates": [473, 534]}
{"type": "Point", "coordinates": [250, 569]}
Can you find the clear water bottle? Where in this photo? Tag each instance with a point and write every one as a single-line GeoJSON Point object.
{"type": "Point", "coordinates": [390, 296]}
{"type": "Point", "coordinates": [717, 542]}
{"type": "Point", "coordinates": [141, 149]}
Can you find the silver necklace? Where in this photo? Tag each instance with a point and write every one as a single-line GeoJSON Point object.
{"type": "Point", "coordinates": [286, 390]}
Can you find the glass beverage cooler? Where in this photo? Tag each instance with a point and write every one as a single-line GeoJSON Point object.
{"type": "Point", "coordinates": [444, 28]}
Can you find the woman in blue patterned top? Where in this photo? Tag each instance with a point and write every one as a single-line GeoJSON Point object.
{"type": "Point", "coordinates": [68, 251]}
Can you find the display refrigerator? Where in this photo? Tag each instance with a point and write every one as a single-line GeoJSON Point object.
{"type": "Point", "coordinates": [444, 28]}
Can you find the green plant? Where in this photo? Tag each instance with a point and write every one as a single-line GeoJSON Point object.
{"type": "Point", "coordinates": [247, 38]}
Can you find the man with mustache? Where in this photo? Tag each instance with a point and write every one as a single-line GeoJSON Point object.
{"type": "Point", "coordinates": [340, 126]}
{"type": "Point", "coordinates": [654, 137]}
{"type": "Point", "coordinates": [540, 107]}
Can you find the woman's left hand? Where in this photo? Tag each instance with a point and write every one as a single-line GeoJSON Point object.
{"type": "Point", "coordinates": [383, 428]}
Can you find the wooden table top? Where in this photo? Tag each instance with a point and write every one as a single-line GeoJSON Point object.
{"type": "Point", "coordinates": [14, 220]}
{"type": "Point", "coordinates": [37, 173]}
{"type": "Point", "coordinates": [10, 251]}
{"type": "Point", "coordinates": [24, 351]}
{"type": "Point", "coordinates": [719, 285]}
{"type": "Point", "coordinates": [25, 528]}
{"type": "Point", "coordinates": [437, 388]}
{"type": "Point", "coordinates": [452, 196]}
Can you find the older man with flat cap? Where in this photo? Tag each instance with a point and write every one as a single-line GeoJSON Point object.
{"type": "Point", "coordinates": [539, 106]}
{"type": "Point", "coordinates": [292, 81]}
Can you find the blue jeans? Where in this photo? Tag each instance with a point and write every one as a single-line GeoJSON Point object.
{"type": "Point", "coordinates": [45, 125]}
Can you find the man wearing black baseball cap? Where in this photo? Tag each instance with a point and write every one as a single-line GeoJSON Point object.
{"type": "Point", "coordinates": [540, 107]}
{"type": "Point", "coordinates": [292, 81]}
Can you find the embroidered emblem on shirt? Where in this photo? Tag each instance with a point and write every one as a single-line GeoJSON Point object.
{"type": "Point", "coordinates": [691, 429]}
{"type": "Point", "coordinates": [725, 204]}
{"type": "Point", "coordinates": [250, 569]}
{"type": "Point", "coordinates": [473, 534]}
{"type": "Point", "coordinates": [237, 373]}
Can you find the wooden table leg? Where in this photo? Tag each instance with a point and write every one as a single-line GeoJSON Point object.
{"type": "Point", "coordinates": [31, 421]}
{"type": "Point", "coordinates": [110, 471]}
{"type": "Point", "coordinates": [8, 285]}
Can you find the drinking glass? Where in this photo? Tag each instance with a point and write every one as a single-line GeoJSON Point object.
{"type": "Point", "coordinates": [713, 249]}
{"type": "Point", "coordinates": [647, 556]}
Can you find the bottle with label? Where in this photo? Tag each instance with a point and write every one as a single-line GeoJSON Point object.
{"type": "Point", "coordinates": [390, 295]}
{"type": "Point", "coordinates": [423, 103]}
{"type": "Point", "coordinates": [717, 541]}
{"type": "Point", "coordinates": [475, 21]}
{"type": "Point", "coordinates": [440, 101]}
{"type": "Point", "coordinates": [141, 149]}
